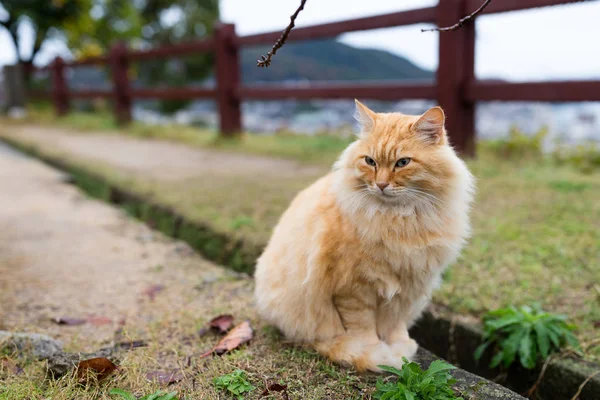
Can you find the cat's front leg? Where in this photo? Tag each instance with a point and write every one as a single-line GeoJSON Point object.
{"type": "Point", "coordinates": [359, 346]}
{"type": "Point", "coordinates": [392, 328]}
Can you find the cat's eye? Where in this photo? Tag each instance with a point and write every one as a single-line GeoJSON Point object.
{"type": "Point", "coordinates": [403, 162]}
{"type": "Point", "coordinates": [370, 161]}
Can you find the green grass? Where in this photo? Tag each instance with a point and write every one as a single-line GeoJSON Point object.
{"type": "Point", "coordinates": [536, 224]}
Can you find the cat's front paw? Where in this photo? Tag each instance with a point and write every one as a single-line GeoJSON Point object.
{"type": "Point", "coordinates": [405, 348]}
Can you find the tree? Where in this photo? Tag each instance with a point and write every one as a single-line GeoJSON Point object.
{"type": "Point", "coordinates": [46, 18]}
{"type": "Point", "coordinates": [148, 23]}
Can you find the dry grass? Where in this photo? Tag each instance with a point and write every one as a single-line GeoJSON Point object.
{"type": "Point", "coordinates": [174, 344]}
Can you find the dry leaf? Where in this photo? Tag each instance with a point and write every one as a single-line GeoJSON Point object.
{"type": "Point", "coordinates": [101, 366]}
{"type": "Point", "coordinates": [153, 290]}
{"type": "Point", "coordinates": [6, 364]}
{"type": "Point", "coordinates": [98, 320]}
{"type": "Point", "coordinates": [164, 377]}
{"type": "Point", "coordinates": [237, 336]}
{"type": "Point", "coordinates": [276, 387]}
{"type": "Point", "coordinates": [68, 321]}
{"type": "Point", "coordinates": [222, 323]}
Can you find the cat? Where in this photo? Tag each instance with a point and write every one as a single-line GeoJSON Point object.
{"type": "Point", "coordinates": [353, 261]}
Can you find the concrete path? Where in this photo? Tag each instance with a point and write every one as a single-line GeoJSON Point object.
{"type": "Point", "coordinates": [65, 255]}
{"type": "Point", "coordinates": [158, 158]}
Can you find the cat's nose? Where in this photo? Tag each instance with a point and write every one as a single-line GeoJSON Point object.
{"type": "Point", "coordinates": [382, 185]}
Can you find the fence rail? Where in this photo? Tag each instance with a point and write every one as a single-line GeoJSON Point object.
{"type": "Point", "coordinates": [455, 87]}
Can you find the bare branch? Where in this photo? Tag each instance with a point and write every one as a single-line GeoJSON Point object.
{"type": "Point", "coordinates": [266, 61]}
{"type": "Point", "coordinates": [463, 21]}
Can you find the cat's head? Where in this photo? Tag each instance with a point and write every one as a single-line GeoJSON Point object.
{"type": "Point", "coordinates": [401, 158]}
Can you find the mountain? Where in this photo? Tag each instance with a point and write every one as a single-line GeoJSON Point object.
{"type": "Point", "coordinates": [326, 60]}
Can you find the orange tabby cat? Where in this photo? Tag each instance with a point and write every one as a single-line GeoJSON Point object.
{"type": "Point", "coordinates": [353, 261]}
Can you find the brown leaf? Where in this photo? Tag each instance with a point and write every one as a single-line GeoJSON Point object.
{"type": "Point", "coordinates": [11, 366]}
{"type": "Point", "coordinates": [237, 336]}
{"type": "Point", "coordinates": [153, 290]}
{"type": "Point", "coordinates": [596, 324]}
{"type": "Point", "coordinates": [164, 377]}
{"type": "Point", "coordinates": [101, 366]}
{"type": "Point", "coordinates": [98, 320]}
{"type": "Point", "coordinates": [222, 323]}
{"type": "Point", "coordinates": [276, 387]}
{"type": "Point", "coordinates": [68, 321]}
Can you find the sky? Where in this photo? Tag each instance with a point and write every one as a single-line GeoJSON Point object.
{"type": "Point", "coordinates": [552, 43]}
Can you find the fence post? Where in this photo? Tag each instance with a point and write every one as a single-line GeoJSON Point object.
{"type": "Point", "coordinates": [14, 87]}
{"type": "Point", "coordinates": [119, 63]}
{"type": "Point", "coordinates": [456, 69]}
{"type": "Point", "coordinates": [228, 79]}
{"type": "Point", "coordinates": [60, 91]}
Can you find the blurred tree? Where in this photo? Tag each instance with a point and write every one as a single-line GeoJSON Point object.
{"type": "Point", "coordinates": [45, 17]}
{"type": "Point", "coordinates": [148, 23]}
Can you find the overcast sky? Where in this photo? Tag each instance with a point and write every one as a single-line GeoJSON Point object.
{"type": "Point", "coordinates": [558, 42]}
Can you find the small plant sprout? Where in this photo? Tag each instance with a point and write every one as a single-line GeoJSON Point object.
{"type": "Point", "coordinates": [159, 395]}
{"type": "Point", "coordinates": [415, 384]}
{"type": "Point", "coordinates": [527, 332]}
{"type": "Point", "coordinates": [234, 383]}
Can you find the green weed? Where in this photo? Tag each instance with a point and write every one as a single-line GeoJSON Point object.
{"type": "Point", "coordinates": [234, 383]}
{"type": "Point", "coordinates": [415, 384]}
{"type": "Point", "coordinates": [517, 145]}
{"type": "Point", "coordinates": [585, 157]}
{"type": "Point", "coordinates": [527, 332]}
{"type": "Point", "coordinates": [159, 395]}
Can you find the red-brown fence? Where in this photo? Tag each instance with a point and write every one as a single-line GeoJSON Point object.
{"type": "Point", "coordinates": [455, 87]}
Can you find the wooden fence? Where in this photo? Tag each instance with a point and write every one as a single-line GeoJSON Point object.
{"type": "Point", "coordinates": [455, 87]}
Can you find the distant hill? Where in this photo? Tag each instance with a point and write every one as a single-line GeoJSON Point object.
{"type": "Point", "coordinates": [325, 60]}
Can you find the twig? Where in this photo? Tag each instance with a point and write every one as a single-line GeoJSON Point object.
{"type": "Point", "coordinates": [589, 378]}
{"type": "Point", "coordinates": [266, 61]}
{"type": "Point", "coordinates": [532, 390]}
{"type": "Point", "coordinates": [462, 21]}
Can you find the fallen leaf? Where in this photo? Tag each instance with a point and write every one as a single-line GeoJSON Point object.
{"type": "Point", "coordinates": [68, 321]}
{"type": "Point", "coordinates": [597, 324]}
{"type": "Point", "coordinates": [132, 344]}
{"type": "Point", "coordinates": [222, 323]}
{"type": "Point", "coordinates": [153, 290]}
{"type": "Point", "coordinates": [276, 387]}
{"type": "Point", "coordinates": [164, 377]}
{"type": "Point", "coordinates": [101, 366]}
{"type": "Point", "coordinates": [98, 320]}
{"type": "Point", "coordinates": [11, 366]}
{"type": "Point", "coordinates": [237, 336]}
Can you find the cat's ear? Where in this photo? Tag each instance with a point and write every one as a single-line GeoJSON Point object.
{"type": "Point", "coordinates": [365, 117]}
{"type": "Point", "coordinates": [430, 126]}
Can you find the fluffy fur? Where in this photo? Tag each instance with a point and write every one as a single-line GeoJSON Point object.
{"type": "Point", "coordinates": [350, 266]}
